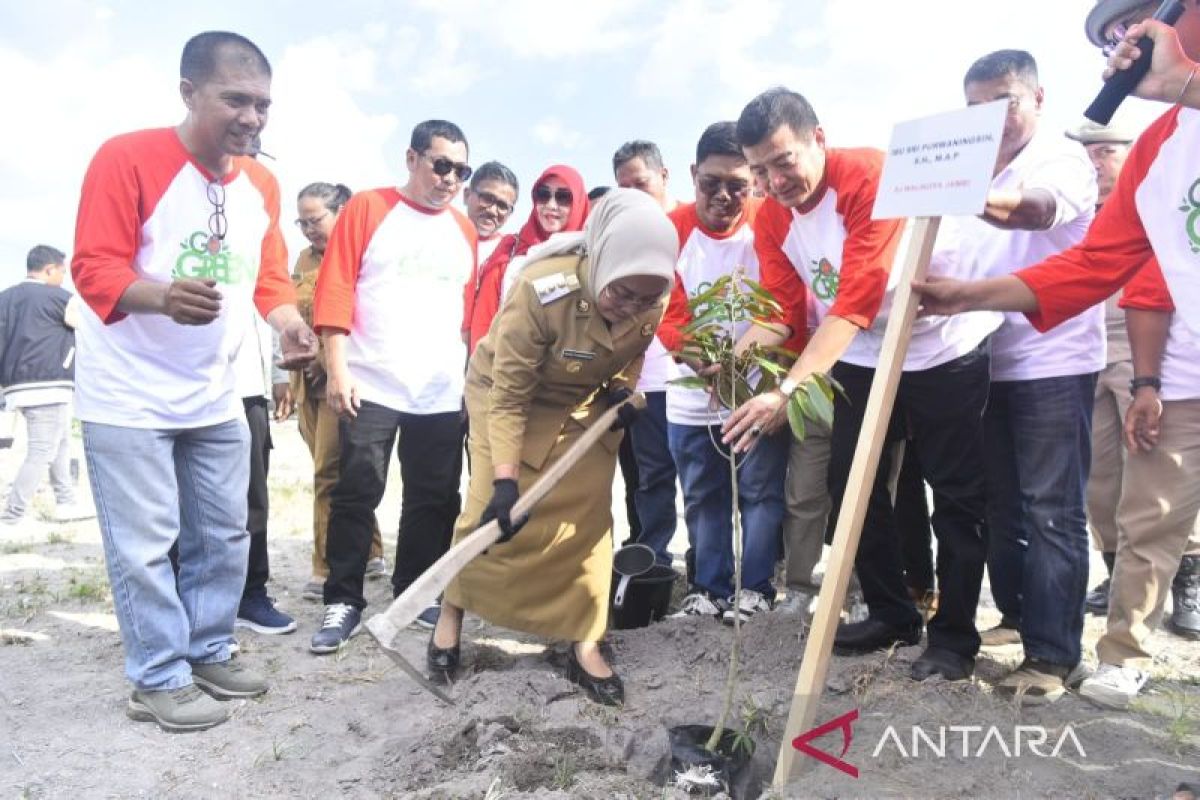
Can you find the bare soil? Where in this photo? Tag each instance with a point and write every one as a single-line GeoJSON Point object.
{"type": "Point", "coordinates": [353, 725]}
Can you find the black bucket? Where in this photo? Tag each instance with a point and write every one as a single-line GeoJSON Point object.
{"type": "Point", "coordinates": [729, 766]}
{"type": "Point", "coordinates": [646, 599]}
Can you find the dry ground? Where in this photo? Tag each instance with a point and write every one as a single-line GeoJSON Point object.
{"type": "Point", "coordinates": [353, 725]}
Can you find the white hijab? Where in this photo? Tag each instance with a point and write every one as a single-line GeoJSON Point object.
{"type": "Point", "coordinates": [626, 234]}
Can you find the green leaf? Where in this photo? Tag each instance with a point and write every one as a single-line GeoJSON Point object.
{"type": "Point", "coordinates": [690, 382]}
{"type": "Point", "coordinates": [822, 406]}
{"type": "Point", "coordinates": [796, 418]}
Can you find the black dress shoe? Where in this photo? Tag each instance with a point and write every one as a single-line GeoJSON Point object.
{"type": "Point", "coordinates": [608, 691]}
{"type": "Point", "coordinates": [855, 638]}
{"type": "Point", "coordinates": [442, 661]}
{"type": "Point", "coordinates": [946, 663]}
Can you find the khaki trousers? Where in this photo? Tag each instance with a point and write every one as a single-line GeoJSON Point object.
{"type": "Point", "coordinates": [806, 498]}
{"type": "Point", "coordinates": [1156, 520]}
{"type": "Point", "coordinates": [319, 429]}
{"type": "Point", "coordinates": [1108, 453]}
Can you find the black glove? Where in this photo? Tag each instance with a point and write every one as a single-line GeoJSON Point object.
{"type": "Point", "coordinates": [499, 508]}
{"type": "Point", "coordinates": [627, 413]}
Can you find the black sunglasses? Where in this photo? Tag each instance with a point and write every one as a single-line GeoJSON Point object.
{"type": "Point", "coordinates": [542, 194]}
{"type": "Point", "coordinates": [488, 199]}
{"type": "Point", "coordinates": [443, 166]}
{"type": "Point", "coordinates": [710, 185]}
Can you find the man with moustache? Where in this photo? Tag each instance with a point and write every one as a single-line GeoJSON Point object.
{"type": "Point", "coordinates": [489, 201]}
{"type": "Point", "coordinates": [395, 262]}
{"type": "Point", "coordinates": [163, 427]}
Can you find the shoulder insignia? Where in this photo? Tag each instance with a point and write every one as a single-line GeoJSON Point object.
{"type": "Point", "coordinates": [648, 329]}
{"type": "Point", "coordinates": [583, 306]}
{"type": "Point", "coordinates": [551, 287]}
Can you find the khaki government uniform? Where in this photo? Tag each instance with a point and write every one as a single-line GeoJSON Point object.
{"type": "Point", "coordinates": [534, 384]}
{"type": "Point", "coordinates": [318, 423]}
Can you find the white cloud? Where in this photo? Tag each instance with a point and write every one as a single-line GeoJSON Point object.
{"type": "Point", "coordinates": [551, 132]}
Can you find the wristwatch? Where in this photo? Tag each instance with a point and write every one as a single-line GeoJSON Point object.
{"type": "Point", "coordinates": [788, 386]}
{"type": "Point", "coordinates": [1153, 381]}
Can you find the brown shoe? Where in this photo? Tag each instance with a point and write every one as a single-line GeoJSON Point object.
{"type": "Point", "coordinates": [1035, 682]}
{"type": "Point", "coordinates": [1006, 634]}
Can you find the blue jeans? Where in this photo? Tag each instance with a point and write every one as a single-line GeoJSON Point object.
{"type": "Point", "coordinates": [153, 487]}
{"type": "Point", "coordinates": [708, 506]}
{"type": "Point", "coordinates": [1038, 436]}
{"type": "Point", "coordinates": [655, 497]}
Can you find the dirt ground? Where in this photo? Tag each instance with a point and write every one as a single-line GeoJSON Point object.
{"type": "Point", "coordinates": [353, 725]}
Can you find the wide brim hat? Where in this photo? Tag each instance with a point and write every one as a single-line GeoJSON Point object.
{"type": "Point", "coordinates": [1103, 15]}
{"type": "Point", "coordinates": [1092, 133]}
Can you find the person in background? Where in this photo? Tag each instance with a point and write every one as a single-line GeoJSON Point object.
{"type": "Point", "coordinates": [638, 164]}
{"type": "Point", "coordinates": [317, 209]}
{"type": "Point", "coordinates": [489, 201]}
{"type": "Point", "coordinates": [37, 368]}
{"type": "Point", "coordinates": [560, 205]}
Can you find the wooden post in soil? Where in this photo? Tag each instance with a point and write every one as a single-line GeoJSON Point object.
{"type": "Point", "coordinates": [814, 666]}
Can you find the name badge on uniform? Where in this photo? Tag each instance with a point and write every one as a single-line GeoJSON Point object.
{"type": "Point", "coordinates": [582, 355]}
{"type": "Point", "coordinates": [551, 287]}
{"type": "Point", "coordinates": [648, 329]}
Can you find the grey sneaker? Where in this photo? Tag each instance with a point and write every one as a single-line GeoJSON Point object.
{"type": "Point", "coordinates": [377, 568]}
{"type": "Point", "coordinates": [226, 680]}
{"type": "Point", "coordinates": [177, 710]}
{"type": "Point", "coordinates": [314, 589]}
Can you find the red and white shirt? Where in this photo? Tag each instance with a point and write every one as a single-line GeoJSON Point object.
{"type": "Point", "coordinates": [704, 256]}
{"type": "Point", "coordinates": [832, 250]}
{"type": "Point", "coordinates": [144, 215]}
{"type": "Point", "coordinates": [1180, 368]}
{"type": "Point", "coordinates": [486, 247]}
{"type": "Point", "coordinates": [1153, 211]}
{"type": "Point", "coordinates": [1055, 164]}
{"type": "Point", "coordinates": [392, 278]}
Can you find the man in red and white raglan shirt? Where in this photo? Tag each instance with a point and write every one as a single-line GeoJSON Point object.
{"type": "Point", "coordinates": [815, 235]}
{"type": "Point", "coordinates": [177, 240]}
{"type": "Point", "coordinates": [386, 306]}
{"type": "Point", "coordinates": [1149, 220]}
{"type": "Point", "coordinates": [716, 240]}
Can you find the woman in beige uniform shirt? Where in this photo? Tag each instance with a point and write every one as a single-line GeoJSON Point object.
{"type": "Point", "coordinates": [567, 342]}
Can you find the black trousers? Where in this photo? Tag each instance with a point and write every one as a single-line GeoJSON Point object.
{"type": "Point", "coordinates": [430, 455]}
{"type": "Point", "coordinates": [629, 474]}
{"type": "Point", "coordinates": [912, 523]}
{"type": "Point", "coordinates": [259, 570]}
{"type": "Point", "coordinates": [942, 410]}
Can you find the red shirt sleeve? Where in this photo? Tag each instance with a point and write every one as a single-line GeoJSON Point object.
{"type": "Point", "coordinates": [779, 276]}
{"type": "Point", "coordinates": [1115, 247]}
{"type": "Point", "coordinates": [274, 286]}
{"type": "Point", "coordinates": [870, 245]}
{"type": "Point", "coordinates": [676, 317]}
{"type": "Point", "coordinates": [113, 203]}
{"type": "Point", "coordinates": [333, 299]}
{"type": "Point", "coordinates": [1147, 290]}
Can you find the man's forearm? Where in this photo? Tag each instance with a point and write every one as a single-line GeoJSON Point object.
{"type": "Point", "coordinates": [283, 315]}
{"type": "Point", "coordinates": [1014, 209]}
{"type": "Point", "coordinates": [1006, 293]}
{"type": "Point", "coordinates": [144, 297]}
{"type": "Point", "coordinates": [1148, 332]}
{"type": "Point", "coordinates": [829, 341]}
{"type": "Point", "coordinates": [335, 350]}
{"type": "Point", "coordinates": [776, 335]}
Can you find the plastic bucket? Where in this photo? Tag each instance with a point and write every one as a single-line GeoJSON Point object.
{"type": "Point", "coordinates": [647, 598]}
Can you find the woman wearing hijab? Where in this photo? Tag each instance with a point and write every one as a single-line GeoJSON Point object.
{"type": "Point", "coordinates": [560, 204]}
{"type": "Point", "coordinates": [567, 343]}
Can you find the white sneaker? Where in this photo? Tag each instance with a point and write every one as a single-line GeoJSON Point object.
{"type": "Point", "coordinates": [1112, 686]}
{"type": "Point", "coordinates": [745, 606]}
{"type": "Point", "coordinates": [72, 512]}
{"type": "Point", "coordinates": [797, 602]}
{"type": "Point", "coordinates": [377, 568]}
{"type": "Point", "coordinates": [698, 604]}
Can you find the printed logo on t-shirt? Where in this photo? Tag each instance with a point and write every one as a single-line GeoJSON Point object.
{"type": "Point", "coordinates": [223, 266]}
{"type": "Point", "coordinates": [824, 279]}
{"type": "Point", "coordinates": [1191, 207]}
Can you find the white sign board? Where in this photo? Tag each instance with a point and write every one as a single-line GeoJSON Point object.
{"type": "Point", "coordinates": [941, 165]}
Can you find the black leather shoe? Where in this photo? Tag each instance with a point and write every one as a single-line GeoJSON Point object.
{"type": "Point", "coordinates": [944, 663]}
{"type": "Point", "coordinates": [864, 637]}
{"type": "Point", "coordinates": [442, 661]}
{"type": "Point", "coordinates": [608, 691]}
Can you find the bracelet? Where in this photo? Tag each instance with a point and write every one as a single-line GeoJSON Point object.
{"type": "Point", "coordinates": [1187, 83]}
{"type": "Point", "coordinates": [1153, 381]}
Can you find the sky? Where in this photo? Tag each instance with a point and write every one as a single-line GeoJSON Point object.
{"type": "Point", "coordinates": [530, 83]}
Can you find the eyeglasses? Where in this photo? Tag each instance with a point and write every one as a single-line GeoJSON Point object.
{"type": "Point", "coordinates": [621, 296]}
{"type": "Point", "coordinates": [443, 166]}
{"type": "Point", "coordinates": [542, 194]}
{"type": "Point", "coordinates": [218, 225]}
{"type": "Point", "coordinates": [488, 199]}
{"type": "Point", "coordinates": [711, 185]}
{"type": "Point", "coordinates": [311, 222]}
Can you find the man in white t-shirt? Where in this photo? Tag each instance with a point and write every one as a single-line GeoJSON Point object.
{"type": "Point", "coordinates": [1037, 427]}
{"type": "Point", "coordinates": [638, 164]}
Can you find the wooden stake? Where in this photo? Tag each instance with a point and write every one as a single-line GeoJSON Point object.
{"type": "Point", "coordinates": [814, 666]}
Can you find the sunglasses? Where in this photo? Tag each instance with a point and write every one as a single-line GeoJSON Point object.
{"type": "Point", "coordinates": [543, 194]}
{"type": "Point", "coordinates": [488, 199]}
{"type": "Point", "coordinates": [311, 222]}
{"type": "Point", "coordinates": [218, 224]}
{"type": "Point", "coordinates": [443, 166]}
{"type": "Point", "coordinates": [711, 185]}
{"type": "Point", "coordinates": [623, 297]}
